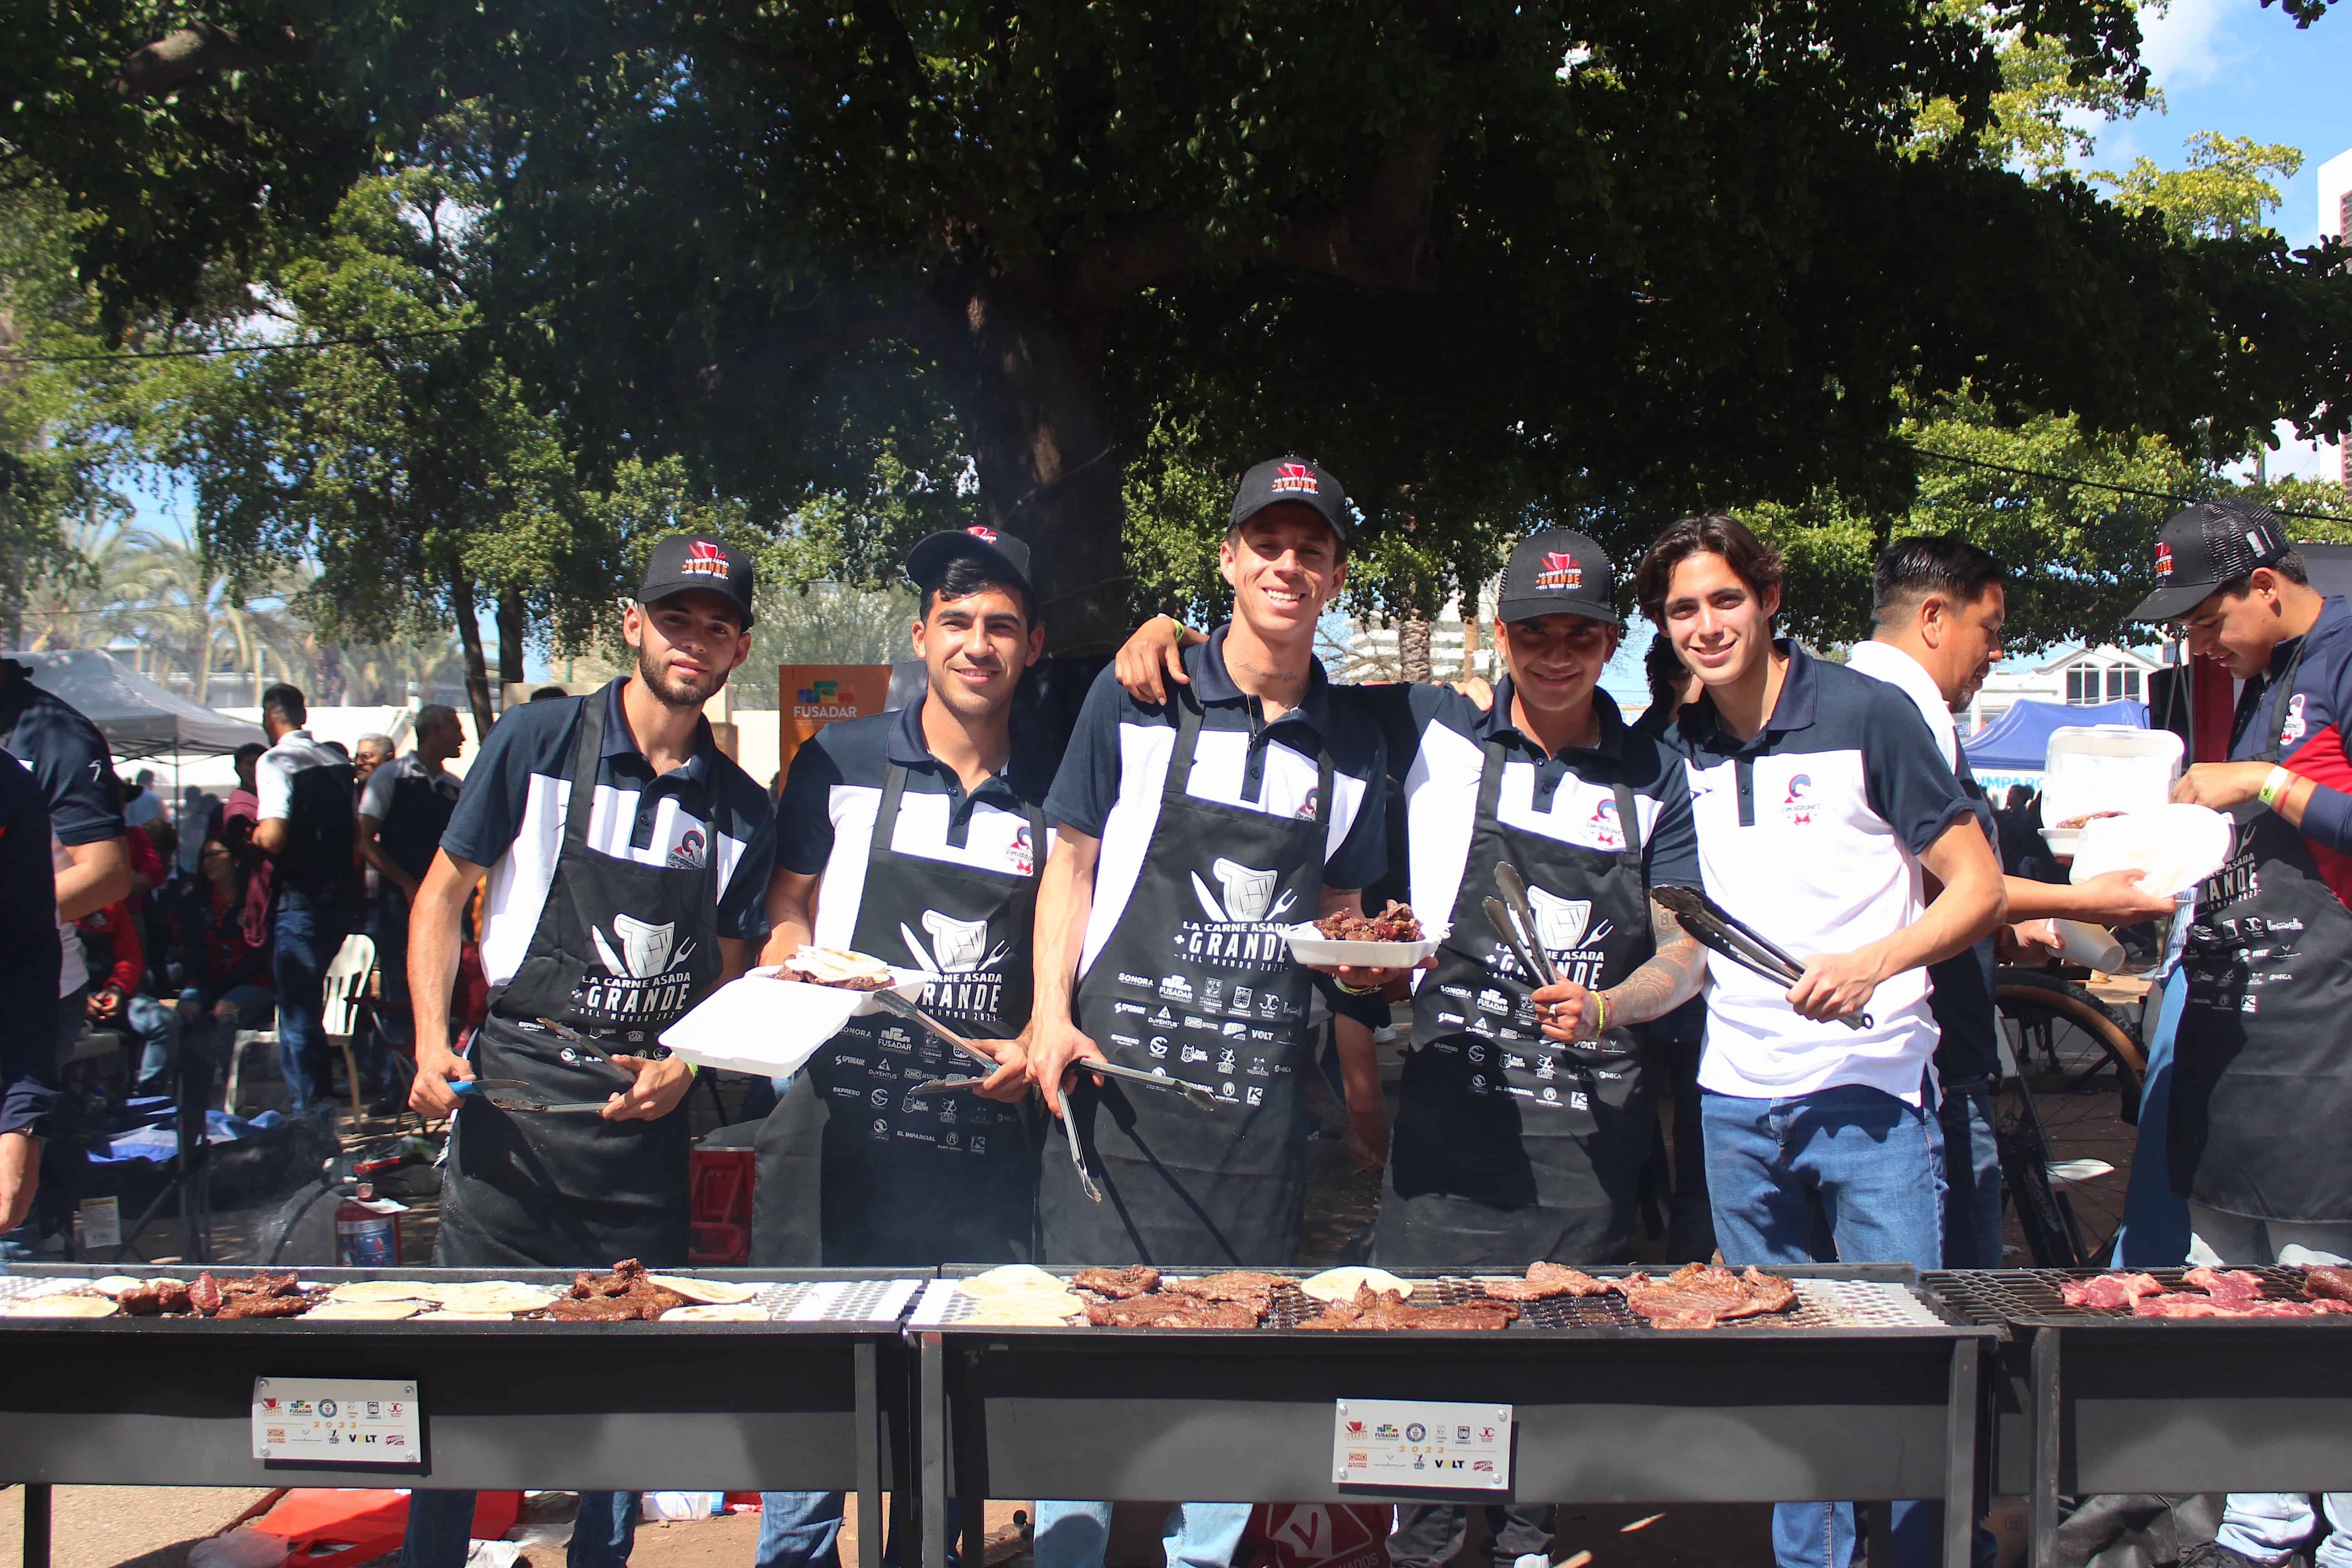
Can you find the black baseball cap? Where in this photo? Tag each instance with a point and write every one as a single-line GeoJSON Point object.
{"type": "Point", "coordinates": [2209, 546]}
{"type": "Point", "coordinates": [928, 562]}
{"type": "Point", "coordinates": [683, 563]}
{"type": "Point", "coordinates": [1291, 479]}
{"type": "Point", "coordinates": [1559, 572]}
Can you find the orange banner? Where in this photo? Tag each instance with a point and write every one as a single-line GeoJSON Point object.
{"type": "Point", "coordinates": [814, 695]}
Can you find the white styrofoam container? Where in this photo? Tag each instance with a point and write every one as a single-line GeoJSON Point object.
{"type": "Point", "coordinates": [2104, 767]}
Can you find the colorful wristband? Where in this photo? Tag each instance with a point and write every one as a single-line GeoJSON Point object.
{"type": "Point", "coordinates": [1600, 1015]}
{"type": "Point", "coordinates": [2274, 787]}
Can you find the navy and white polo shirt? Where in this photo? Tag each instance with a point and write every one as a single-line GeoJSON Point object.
{"type": "Point", "coordinates": [1436, 739]}
{"type": "Point", "coordinates": [826, 822]}
{"type": "Point", "coordinates": [1812, 833]}
{"type": "Point", "coordinates": [2316, 734]}
{"type": "Point", "coordinates": [510, 817]}
{"type": "Point", "coordinates": [1111, 776]}
{"type": "Point", "coordinates": [69, 760]}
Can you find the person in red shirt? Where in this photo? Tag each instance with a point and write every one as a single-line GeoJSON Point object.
{"type": "Point", "coordinates": [226, 973]}
{"type": "Point", "coordinates": [118, 962]}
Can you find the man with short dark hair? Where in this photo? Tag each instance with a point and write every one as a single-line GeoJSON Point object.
{"type": "Point", "coordinates": [303, 810]}
{"type": "Point", "coordinates": [403, 809]}
{"type": "Point", "coordinates": [1940, 606]}
{"type": "Point", "coordinates": [1821, 799]}
{"type": "Point", "coordinates": [2261, 1083]}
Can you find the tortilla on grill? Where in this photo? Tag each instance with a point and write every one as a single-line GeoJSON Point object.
{"type": "Point", "coordinates": [706, 1292]}
{"type": "Point", "coordinates": [57, 1307]}
{"type": "Point", "coordinates": [1030, 1309]}
{"type": "Point", "coordinates": [1342, 1284]}
{"type": "Point", "coordinates": [381, 1290]}
{"type": "Point", "coordinates": [486, 1296]}
{"type": "Point", "coordinates": [349, 1311]}
{"type": "Point", "coordinates": [445, 1316]}
{"type": "Point", "coordinates": [114, 1285]}
{"type": "Point", "coordinates": [1012, 1279]}
{"type": "Point", "coordinates": [711, 1311]}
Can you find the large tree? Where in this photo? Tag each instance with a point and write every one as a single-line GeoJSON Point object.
{"type": "Point", "coordinates": [1483, 255]}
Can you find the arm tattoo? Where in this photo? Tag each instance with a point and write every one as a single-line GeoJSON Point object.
{"type": "Point", "coordinates": [1672, 976]}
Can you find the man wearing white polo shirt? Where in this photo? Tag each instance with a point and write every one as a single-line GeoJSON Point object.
{"type": "Point", "coordinates": [1819, 799]}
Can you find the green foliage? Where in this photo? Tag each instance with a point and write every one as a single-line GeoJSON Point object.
{"type": "Point", "coordinates": [2222, 193]}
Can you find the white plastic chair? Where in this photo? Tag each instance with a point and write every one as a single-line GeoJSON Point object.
{"type": "Point", "coordinates": [346, 983]}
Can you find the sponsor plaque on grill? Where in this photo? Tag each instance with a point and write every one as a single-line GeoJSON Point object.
{"type": "Point", "coordinates": [1408, 1443]}
{"type": "Point", "coordinates": [338, 1421]}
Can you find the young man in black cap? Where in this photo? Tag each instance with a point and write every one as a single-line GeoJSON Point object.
{"type": "Point", "coordinates": [627, 861]}
{"type": "Point", "coordinates": [2261, 1086]}
{"type": "Point", "coordinates": [1522, 1117]}
{"type": "Point", "coordinates": [1189, 834]}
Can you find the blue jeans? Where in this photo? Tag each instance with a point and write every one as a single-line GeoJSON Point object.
{"type": "Point", "coordinates": [801, 1529]}
{"type": "Point", "coordinates": [1971, 1179]}
{"type": "Point", "coordinates": [441, 1523]}
{"type": "Point", "coordinates": [1868, 1168]}
{"type": "Point", "coordinates": [2155, 1232]}
{"type": "Point", "coordinates": [1197, 1534]}
{"type": "Point", "coordinates": [157, 1027]}
{"type": "Point", "coordinates": [308, 935]}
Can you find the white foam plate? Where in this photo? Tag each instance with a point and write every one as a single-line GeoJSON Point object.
{"type": "Point", "coordinates": [760, 1023]}
{"type": "Point", "coordinates": [2173, 847]}
{"type": "Point", "coordinates": [1311, 946]}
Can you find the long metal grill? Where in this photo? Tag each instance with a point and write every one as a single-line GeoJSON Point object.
{"type": "Point", "coordinates": [2032, 1295]}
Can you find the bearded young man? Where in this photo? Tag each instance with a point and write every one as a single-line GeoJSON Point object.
{"type": "Point", "coordinates": [627, 861]}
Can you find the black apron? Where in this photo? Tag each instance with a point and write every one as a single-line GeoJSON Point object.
{"type": "Point", "coordinates": [620, 950]}
{"type": "Point", "coordinates": [2261, 1086]}
{"type": "Point", "coordinates": [1510, 1147]}
{"type": "Point", "coordinates": [1196, 981]}
{"type": "Point", "coordinates": [916, 1181]}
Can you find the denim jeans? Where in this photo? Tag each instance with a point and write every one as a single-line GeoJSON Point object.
{"type": "Point", "coordinates": [308, 935]}
{"type": "Point", "coordinates": [1971, 1179]}
{"type": "Point", "coordinates": [1428, 1534]}
{"type": "Point", "coordinates": [441, 1523]}
{"type": "Point", "coordinates": [2156, 1218]}
{"type": "Point", "coordinates": [2267, 1526]}
{"type": "Point", "coordinates": [799, 1529]}
{"type": "Point", "coordinates": [1869, 1170]}
{"type": "Point", "coordinates": [157, 1027]}
{"type": "Point", "coordinates": [1197, 1534]}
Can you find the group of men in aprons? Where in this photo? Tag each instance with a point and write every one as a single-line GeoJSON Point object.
{"type": "Point", "coordinates": [1122, 907]}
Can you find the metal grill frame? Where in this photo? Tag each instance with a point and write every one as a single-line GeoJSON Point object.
{"type": "Point", "coordinates": [2090, 1400]}
{"type": "Point", "coordinates": [1741, 1412]}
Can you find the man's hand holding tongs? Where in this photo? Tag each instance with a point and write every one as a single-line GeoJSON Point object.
{"type": "Point", "coordinates": [1836, 984]}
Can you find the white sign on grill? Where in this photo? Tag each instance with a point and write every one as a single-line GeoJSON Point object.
{"type": "Point", "coordinates": [1422, 1442]}
{"type": "Point", "coordinates": [338, 1421]}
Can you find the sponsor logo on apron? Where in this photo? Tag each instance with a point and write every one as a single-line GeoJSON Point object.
{"type": "Point", "coordinates": [642, 975]}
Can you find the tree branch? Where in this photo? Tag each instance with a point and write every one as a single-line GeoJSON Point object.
{"type": "Point", "coordinates": [201, 47]}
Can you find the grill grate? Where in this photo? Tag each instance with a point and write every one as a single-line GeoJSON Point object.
{"type": "Point", "coordinates": [1997, 1296]}
{"type": "Point", "coordinates": [783, 1301]}
{"type": "Point", "coordinates": [1821, 1304]}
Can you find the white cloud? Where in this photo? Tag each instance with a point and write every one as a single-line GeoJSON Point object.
{"type": "Point", "coordinates": [2187, 42]}
{"type": "Point", "coordinates": [2295, 459]}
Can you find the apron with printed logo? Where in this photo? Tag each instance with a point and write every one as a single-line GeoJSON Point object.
{"type": "Point", "coordinates": [1510, 1147]}
{"type": "Point", "coordinates": [1196, 982]}
{"type": "Point", "coordinates": [2261, 1085]}
{"type": "Point", "coordinates": [919, 1180]}
{"type": "Point", "coordinates": [622, 949]}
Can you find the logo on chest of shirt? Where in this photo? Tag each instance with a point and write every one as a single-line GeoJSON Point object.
{"type": "Point", "coordinates": [966, 975]}
{"type": "Point", "coordinates": [1798, 809]}
{"type": "Point", "coordinates": [1022, 855]}
{"type": "Point", "coordinates": [691, 852]}
{"type": "Point", "coordinates": [1607, 832]}
{"type": "Point", "coordinates": [2293, 730]}
{"type": "Point", "coordinates": [644, 976]}
{"type": "Point", "coordinates": [1238, 932]}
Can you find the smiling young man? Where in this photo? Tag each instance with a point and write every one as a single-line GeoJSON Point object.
{"type": "Point", "coordinates": [1821, 799]}
{"type": "Point", "coordinates": [1189, 834]}
{"type": "Point", "coordinates": [627, 861]}
{"type": "Point", "coordinates": [2261, 1084]}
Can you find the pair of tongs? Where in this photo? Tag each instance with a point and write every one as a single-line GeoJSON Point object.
{"type": "Point", "coordinates": [1514, 921]}
{"type": "Point", "coordinates": [1717, 928]}
{"type": "Point", "coordinates": [514, 1094]}
{"type": "Point", "coordinates": [1196, 1097]}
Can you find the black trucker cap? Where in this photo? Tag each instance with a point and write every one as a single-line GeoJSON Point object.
{"type": "Point", "coordinates": [2209, 546]}
{"type": "Point", "coordinates": [928, 562]}
{"type": "Point", "coordinates": [1291, 478]}
{"type": "Point", "coordinates": [1559, 572]}
{"type": "Point", "coordinates": [684, 561]}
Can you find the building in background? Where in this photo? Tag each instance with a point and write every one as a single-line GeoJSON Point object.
{"type": "Point", "coordinates": [2078, 676]}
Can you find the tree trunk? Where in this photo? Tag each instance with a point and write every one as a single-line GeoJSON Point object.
{"type": "Point", "coordinates": [1412, 650]}
{"type": "Point", "coordinates": [1470, 642]}
{"type": "Point", "coordinates": [477, 674]}
{"type": "Point", "coordinates": [1027, 393]}
{"type": "Point", "coordinates": [511, 622]}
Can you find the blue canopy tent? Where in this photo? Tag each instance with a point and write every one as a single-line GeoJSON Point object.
{"type": "Point", "coordinates": [2012, 749]}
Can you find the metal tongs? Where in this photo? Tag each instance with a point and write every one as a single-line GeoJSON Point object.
{"type": "Point", "coordinates": [514, 1094]}
{"type": "Point", "coordinates": [1196, 1097]}
{"type": "Point", "coordinates": [1721, 929]}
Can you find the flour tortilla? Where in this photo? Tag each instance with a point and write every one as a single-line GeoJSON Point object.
{"type": "Point", "coordinates": [1028, 1308]}
{"type": "Point", "coordinates": [57, 1307]}
{"type": "Point", "coordinates": [114, 1285]}
{"type": "Point", "coordinates": [381, 1290]}
{"type": "Point", "coordinates": [1011, 1279]}
{"type": "Point", "coordinates": [449, 1317]}
{"type": "Point", "coordinates": [714, 1313]}
{"type": "Point", "coordinates": [706, 1292]}
{"type": "Point", "coordinates": [345, 1312]}
{"type": "Point", "coordinates": [494, 1295]}
{"type": "Point", "coordinates": [1339, 1284]}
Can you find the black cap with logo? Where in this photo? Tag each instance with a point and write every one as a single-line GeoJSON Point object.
{"type": "Point", "coordinates": [1297, 479]}
{"type": "Point", "coordinates": [683, 563]}
{"type": "Point", "coordinates": [1559, 572]}
{"type": "Point", "coordinates": [928, 562]}
{"type": "Point", "coordinates": [2207, 547]}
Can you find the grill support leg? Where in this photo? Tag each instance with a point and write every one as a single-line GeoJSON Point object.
{"type": "Point", "coordinates": [36, 1525]}
{"type": "Point", "coordinates": [867, 1384]}
{"type": "Point", "coordinates": [1960, 1511]}
{"type": "Point", "coordinates": [2042, 1550]}
{"type": "Point", "coordinates": [931, 1427]}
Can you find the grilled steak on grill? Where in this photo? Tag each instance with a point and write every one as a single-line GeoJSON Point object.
{"type": "Point", "coordinates": [1119, 1284]}
{"type": "Point", "coordinates": [2326, 1281]}
{"type": "Point", "coordinates": [1164, 1310]}
{"type": "Point", "coordinates": [2109, 1291]}
{"type": "Point", "coordinates": [1545, 1281]}
{"type": "Point", "coordinates": [1699, 1296]}
{"type": "Point", "coordinates": [1374, 1309]}
{"type": "Point", "coordinates": [626, 1294]}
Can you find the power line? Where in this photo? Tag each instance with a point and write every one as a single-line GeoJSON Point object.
{"type": "Point", "coordinates": [306, 344]}
{"type": "Point", "coordinates": [2090, 484]}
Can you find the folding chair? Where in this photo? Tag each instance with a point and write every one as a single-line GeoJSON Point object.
{"type": "Point", "coordinates": [346, 983]}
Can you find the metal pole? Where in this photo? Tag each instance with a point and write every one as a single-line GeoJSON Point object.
{"type": "Point", "coordinates": [932, 1425]}
{"type": "Point", "coordinates": [2042, 1550]}
{"type": "Point", "coordinates": [869, 1458]}
{"type": "Point", "coordinates": [1960, 1456]}
{"type": "Point", "coordinates": [36, 1525]}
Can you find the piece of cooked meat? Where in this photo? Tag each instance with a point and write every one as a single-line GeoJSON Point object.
{"type": "Point", "coordinates": [1699, 1296]}
{"type": "Point", "coordinates": [1161, 1310]}
{"type": "Point", "coordinates": [839, 968]}
{"type": "Point", "coordinates": [1234, 1285]}
{"type": "Point", "coordinates": [254, 1304]}
{"type": "Point", "coordinates": [2088, 816]}
{"type": "Point", "coordinates": [2231, 1285]}
{"type": "Point", "coordinates": [2110, 1292]}
{"type": "Point", "coordinates": [1546, 1281]}
{"type": "Point", "coordinates": [626, 1292]}
{"type": "Point", "coordinates": [601, 1308]}
{"type": "Point", "coordinates": [1119, 1284]}
{"type": "Point", "coordinates": [1372, 1310]}
{"type": "Point", "coordinates": [2327, 1282]}
{"type": "Point", "coordinates": [1681, 1319]}
{"type": "Point", "coordinates": [155, 1297]}
{"type": "Point", "coordinates": [1395, 923]}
